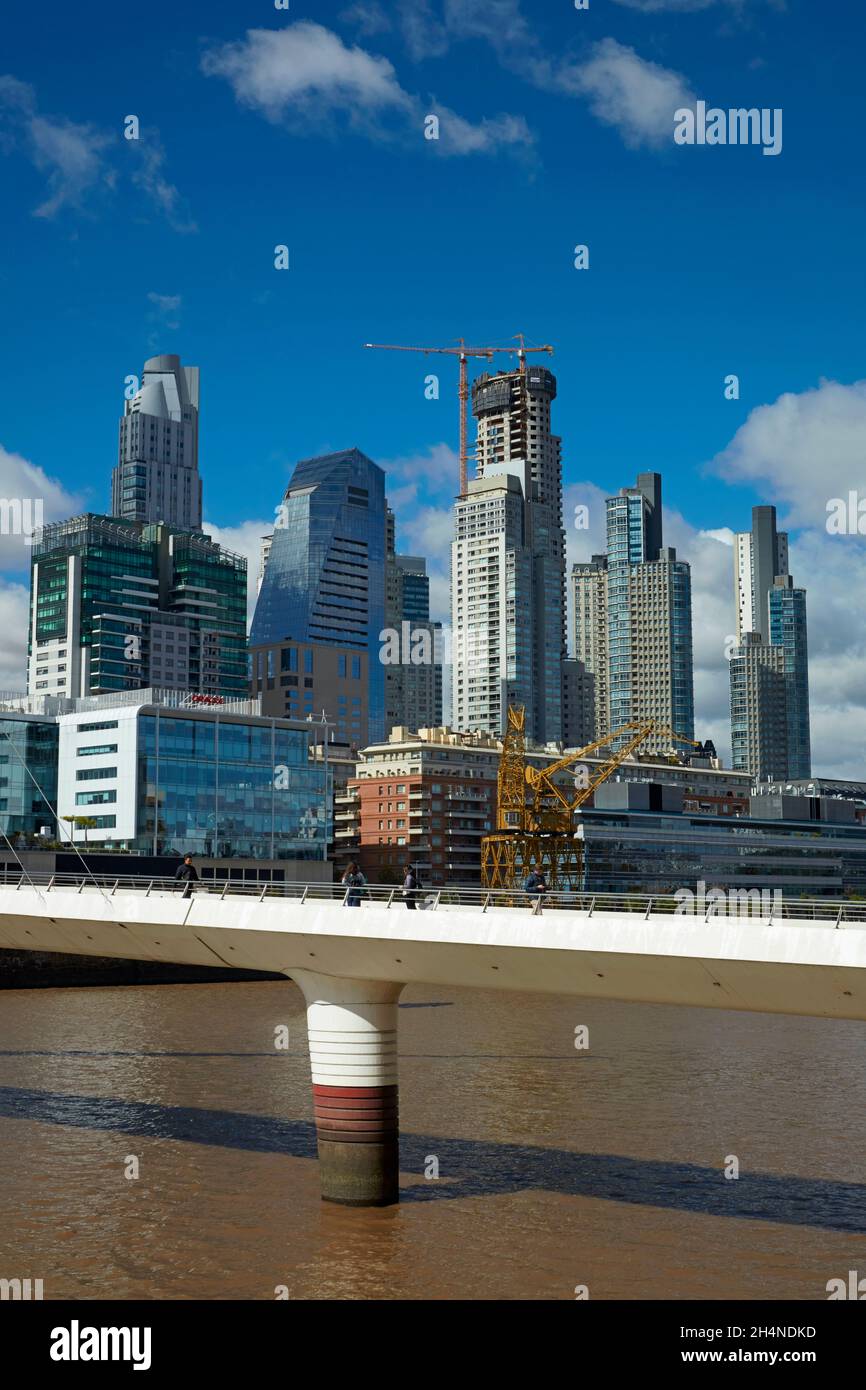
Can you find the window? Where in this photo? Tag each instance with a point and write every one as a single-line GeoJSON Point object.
{"type": "Point", "coordinates": [93, 774]}
{"type": "Point", "coordinates": [95, 798]}
{"type": "Point", "coordinates": [341, 665]}
{"type": "Point", "coordinates": [97, 749]}
{"type": "Point", "coordinates": [308, 663]}
{"type": "Point", "coordinates": [356, 668]}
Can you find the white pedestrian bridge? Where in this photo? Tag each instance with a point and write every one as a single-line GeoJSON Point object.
{"type": "Point", "coordinates": [352, 962]}
{"type": "Point", "coordinates": [803, 957]}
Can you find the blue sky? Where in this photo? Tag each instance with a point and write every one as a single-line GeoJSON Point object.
{"type": "Point", "coordinates": [305, 127]}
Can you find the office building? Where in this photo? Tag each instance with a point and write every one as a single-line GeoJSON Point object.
{"type": "Point", "coordinates": [119, 605]}
{"type": "Point", "coordinates": [508, 566]}
{"type": "Point", "coordinates": [28, 773]}
{"type": "Point", "coordinates": [156, 477]}
{"type": "Point", "coordinates": [769, 668]}
{"type": "Point", "coordinates": [642, 840]}
{"type": "Point", "coordinates": [578, 705]}
{"type": "Point", "coordinates": [632, 620]}
{"type": "Point", "coordinates": [413, 647]}
{"type": "Point", "coordinates": [315, 680]}
{"type": "Point", "coordinates": [162, 773]}
{"type": "Point", "coordinates": [323, 591]}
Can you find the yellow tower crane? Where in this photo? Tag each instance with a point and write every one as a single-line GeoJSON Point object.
{"type": "Point", "coordinates": [535, 818]}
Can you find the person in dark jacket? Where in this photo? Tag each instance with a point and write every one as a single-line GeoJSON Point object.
{"type": "Point", "coordinates": [411, 885]}
{"type": "Point", "coordinates": [354, 880]}
{"type": "Point", "coordinates": [535, 883]}
{"type": "Point", "coordinates": [187, 874]}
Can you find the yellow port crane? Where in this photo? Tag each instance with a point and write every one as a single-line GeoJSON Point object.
{"type": "Point", "coordinates": [535, 818]}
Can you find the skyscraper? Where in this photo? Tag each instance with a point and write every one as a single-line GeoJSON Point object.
{"type": "Point", "coordinates": [322, 598]}
{"type": "Point", "coordinates": [759, 721]}
{"type": "Point", "coordinates": [589, 594]}
{"type": "Point", "coordinates": [788, 633]}
{"type": "Point", "coordinates": [156, 477]}
{"type": "Point", "coordinates": [119, 605]}
{"type": "Point", "coordinates": [759, 555]}
{"type": "Point", "coordinates": [413, 684]}
{"type": "Point", "coordinates": [508, 562]}
{"type": "Point", "coordinates": [632, 619]}
{"type": "Point", "coordinates": [769, 672]}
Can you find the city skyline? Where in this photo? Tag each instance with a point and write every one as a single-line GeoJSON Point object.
{"type": "Point", "coordinates": [148, 246]}
{"type": "Point", "coordinates": [742, 559]}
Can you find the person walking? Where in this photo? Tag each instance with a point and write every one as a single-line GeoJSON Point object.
{"type": "Point", "coordinates": [411, 885]}
{"type": "Point", "coordinates": [187, 874]}
{"type": "Point", "coordinates": [535, 884]}
{"type": "Point", "coordinates": [354, 880]}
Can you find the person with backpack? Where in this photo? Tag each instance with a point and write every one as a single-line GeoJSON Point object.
{"type": "Point", "coordinates": [411, 885]}
{"type": "Point", "coordinates": [187, 874]}
{"type": "Point", "coordinates": [354, 880]}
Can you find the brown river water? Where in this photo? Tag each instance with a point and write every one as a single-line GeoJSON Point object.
{"type": "Point", "coordinates": [558, 1167]}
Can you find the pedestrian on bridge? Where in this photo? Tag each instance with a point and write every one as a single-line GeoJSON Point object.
{"type": "Point", "coordinates": [187, 874]}
{"type": "Point", "coordinates": [354, 880]}
{"type": "Point", "coordinates": [411, 885]}
{"type": "Point", "coordinates": [535, 885]}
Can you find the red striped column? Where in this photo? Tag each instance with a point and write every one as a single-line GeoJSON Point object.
{"type": "Point", "coordinates": [352, 1028]}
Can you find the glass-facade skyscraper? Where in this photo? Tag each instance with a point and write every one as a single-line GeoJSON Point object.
{"type": "Point", "coordinates": [324, 582]}
{"type": "Point", "coordinates": [788, 632]}
{"type": "Point", "coordinates": [118, 605]}
{"type": "Point", "coordinates": [633, 620]}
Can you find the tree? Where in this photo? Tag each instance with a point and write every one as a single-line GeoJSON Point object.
{"type": "Point", "coordinates": [84, 823]}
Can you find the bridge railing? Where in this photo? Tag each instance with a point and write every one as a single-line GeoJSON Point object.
{"type": "Point", "coordinates": [734, 903]}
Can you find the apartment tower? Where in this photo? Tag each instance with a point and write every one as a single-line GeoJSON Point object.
{"type": "Point", "coordinates": [508, 561]}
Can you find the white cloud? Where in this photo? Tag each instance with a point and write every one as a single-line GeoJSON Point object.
{"type": "Point", "coordinates": [368, 17]}
{"type": "Point", "coordinates": [624, 90]}
{"type": "Point", "coordinates": [426, 527]}
{"type": "Point", "coordinates": [425, 35]}
{"type": "Point", "coordinates": [803, 449]}
{"type": "Point", "coordinates": [305, 76]}
{"type": "Point", "coordinates": [151, 179]}
{"type": "Point", "coordinates": [165, 311]}
{"type": "Point", "coordinates": [677, 6]}
{"type": "Point", "coordinates": [74, 157]}
{"type": "Point", "coordinates": [26, 495]}
{"type": "Point", "coordinates": [14, 617]}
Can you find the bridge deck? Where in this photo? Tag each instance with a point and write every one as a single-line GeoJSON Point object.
{"type": "Point", "coordinates": [805, 958]}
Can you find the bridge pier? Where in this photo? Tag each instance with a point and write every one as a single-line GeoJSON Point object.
{"type": "Point", "coordinates": [352, 1027]}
